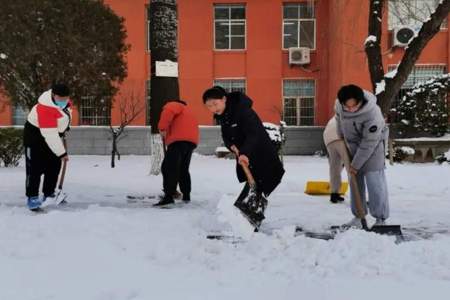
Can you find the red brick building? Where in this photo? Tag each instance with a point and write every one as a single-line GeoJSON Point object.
{"type": "Point", "coordinates": [243, 44]}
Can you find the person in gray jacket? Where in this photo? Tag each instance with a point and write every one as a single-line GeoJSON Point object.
{"type": "Point", "coordinates": [360, 122]}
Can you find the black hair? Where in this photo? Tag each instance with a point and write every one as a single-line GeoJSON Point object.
{"type": "Point", "coordinates": [216, 92]}
{"type": "Point", "coordinates": [351, 91]}
{"type": "Point", "coordinates": [60, 89]}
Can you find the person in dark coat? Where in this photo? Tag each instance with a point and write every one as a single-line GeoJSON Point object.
{"type": "Point", "coordinates": [243, 133]}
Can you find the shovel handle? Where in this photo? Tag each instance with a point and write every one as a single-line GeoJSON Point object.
{"type": "Point", "coordinates": [63, 171]}
{"type": "Point", "coordinates": [251, 181]}
{"type": "Point", "coordinates": [357, 196]}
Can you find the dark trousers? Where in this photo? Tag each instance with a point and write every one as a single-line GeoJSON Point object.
{"type": "Point", "coordinates": [40, 160]}
{"type": "Point", "coordinates": [175, 168]}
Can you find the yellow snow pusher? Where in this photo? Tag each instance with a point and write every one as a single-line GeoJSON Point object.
{"type": "Point", "coordinates": [323, 188]}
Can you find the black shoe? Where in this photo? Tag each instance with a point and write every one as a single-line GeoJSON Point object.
{"type": "Point", "coordinates": [165, 201]}
{"type": "Point", "coordinates": [186, 198]}
{"type": "Point", "coordinates": [335, 198]}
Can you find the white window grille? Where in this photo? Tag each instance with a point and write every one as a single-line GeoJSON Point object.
{"type": "Point", "coordinates": [298, 102]}
{"type": "Point", "coordinates": [229, 27]}
{"type": "Point", "coordinates": [299, 25]}
{"type": "Point", "coordinates": [231, 85]}
{"type": "Point", "coordinates": [94, 112]}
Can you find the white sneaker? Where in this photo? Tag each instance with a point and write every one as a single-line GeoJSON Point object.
{"type": "Point", "coordinates": [354, 223]}
{"type": "Point", "coordinates": [379, 221]}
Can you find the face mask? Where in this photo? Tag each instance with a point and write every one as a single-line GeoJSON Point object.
{"type": "Point", "coordinates": [61, 103]}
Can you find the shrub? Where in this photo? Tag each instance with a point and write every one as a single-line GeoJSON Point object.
{"type": "Point", "coordinates": [11, 146]}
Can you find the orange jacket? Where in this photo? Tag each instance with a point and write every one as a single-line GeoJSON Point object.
{"type": "Point", "coordinates": [179, 123]}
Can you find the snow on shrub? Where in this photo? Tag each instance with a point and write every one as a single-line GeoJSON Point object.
{"type": "Point", "coordinates": [425, 108]}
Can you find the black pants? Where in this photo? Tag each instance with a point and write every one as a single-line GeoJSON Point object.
{"type": "Point", "coordinates": [40, 160]}
{"type": "Point", "coordinates": [175, 168]}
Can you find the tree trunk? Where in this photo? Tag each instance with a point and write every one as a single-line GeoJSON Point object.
{"type": "Point", "coordinates": [373, 50]}
{"type": "Point", "coordinates": [163, 46]}
{"type": "Point", "coordinates": [114, 150]}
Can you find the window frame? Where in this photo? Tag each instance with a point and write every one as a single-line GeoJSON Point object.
{"type": "Point", "coordinates": [229, 20]}
{"type": "Point", "coordinates": [298, 102]}
{"type": "Point", "coordinates": [299, 25]}
{"type": "Point", "coordinates": [231, 79]}
{"type": "Point", "coordinates": [82, 118]}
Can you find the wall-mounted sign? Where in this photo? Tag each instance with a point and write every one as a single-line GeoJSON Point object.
{"type": "Point", "coordinates": [166, 68]}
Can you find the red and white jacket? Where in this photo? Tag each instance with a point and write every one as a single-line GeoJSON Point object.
{"type": "Point", "coordinates": [51, 121]}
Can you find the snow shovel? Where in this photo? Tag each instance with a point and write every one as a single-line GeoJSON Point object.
{"type": "Point", "coordinates": [380, 229]}
{"type": "Point", "coordinates": [256, 201]}
{"type": "Point", "coordinates": [323, 188]}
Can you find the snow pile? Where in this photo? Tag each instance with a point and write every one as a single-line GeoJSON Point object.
{"type": "Point", "coordinates": [230, 215]}
{"type": "Point", "coordinates": [407, 150]}
{"type": "Point", "coordinates": [370, 39]}
{"type": "Point", "coordinates": [275, 132]}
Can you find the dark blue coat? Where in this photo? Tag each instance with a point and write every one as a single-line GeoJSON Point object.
{"type": "Point", "coordinates": [241, 126]}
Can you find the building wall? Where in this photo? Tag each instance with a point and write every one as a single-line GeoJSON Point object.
{"type": "Point", "coordinates": [341, 29]}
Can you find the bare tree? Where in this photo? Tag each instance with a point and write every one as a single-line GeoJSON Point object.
{"type": "Point", "coordinates": [387, 86]}
{"type": "Point", "coordinates": [130, 107]}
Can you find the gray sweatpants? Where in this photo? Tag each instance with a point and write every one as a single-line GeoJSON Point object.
{"type": "Point", "coordinates": [337, 158]}
{"type": "Point", "coordinates": [378, 194]}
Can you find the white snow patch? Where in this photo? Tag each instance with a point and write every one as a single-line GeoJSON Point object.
{"type": "Point", "coordinates": [380, 86]}
{"type": "Point", "coordinates": [231, 215]}
{"type": "Point", "coordinates": [407, 150]}
{"type": "Point", "coordinates": [447, 155]}
{"type": "Point", "coordinates": [370, 39]}
{"type": "Point", "coordinates": [391, 74]}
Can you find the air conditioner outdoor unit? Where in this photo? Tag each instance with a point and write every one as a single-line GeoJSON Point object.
{"type": "Point", "coordinates": [402, 35]}
{"type": "Point", "coordinates": [299, 56]}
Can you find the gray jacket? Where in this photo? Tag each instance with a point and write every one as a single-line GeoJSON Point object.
{"type": "Point", "coordinates": [364, 132]}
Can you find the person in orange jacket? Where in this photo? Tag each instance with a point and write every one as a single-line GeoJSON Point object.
{"type": "Point", "coordinates": [179, 129]}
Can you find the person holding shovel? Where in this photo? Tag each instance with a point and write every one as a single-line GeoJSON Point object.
{"type": "Point", "coordinates": [46, 125]}
{"type": "Point", "coordinates": [244, 135]}
{"type": "Point", "coordinates": [361, 124]}
{"type": "Point", "coordinates": [179, 129]}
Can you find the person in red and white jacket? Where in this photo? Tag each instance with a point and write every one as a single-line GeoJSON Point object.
{"type": "Point", "coordinates": [179, 129]}
{"type": "Point", "coordinates": [46, 124]}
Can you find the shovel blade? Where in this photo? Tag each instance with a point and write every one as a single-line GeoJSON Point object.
{"type": "Point", "coordinates": [387, 229]}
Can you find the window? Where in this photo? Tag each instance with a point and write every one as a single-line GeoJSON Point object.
{"type": "Point", "coordinates": [231, 85]}
{"type": "Point", "coordinates": [411, 12]}
{"type": "Point", "coordinates": [298, 102]}
{"type": "Point", "coordinates": [417, 75]}
{"type": "Point", "coordinates": [19, 115]}
{"type": "Point", "coordinates": [299, 25]}
{"type": "Point", "coordinates": [94, 112]}
{"type": "Point", "coordinates": [229, 27]}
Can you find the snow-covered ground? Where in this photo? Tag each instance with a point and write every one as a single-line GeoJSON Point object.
{"type": "Point", "coordinates": [102, 247]}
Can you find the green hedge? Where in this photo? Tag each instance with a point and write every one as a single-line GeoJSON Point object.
{"type": "Point", "coordinates": [11, 146]}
